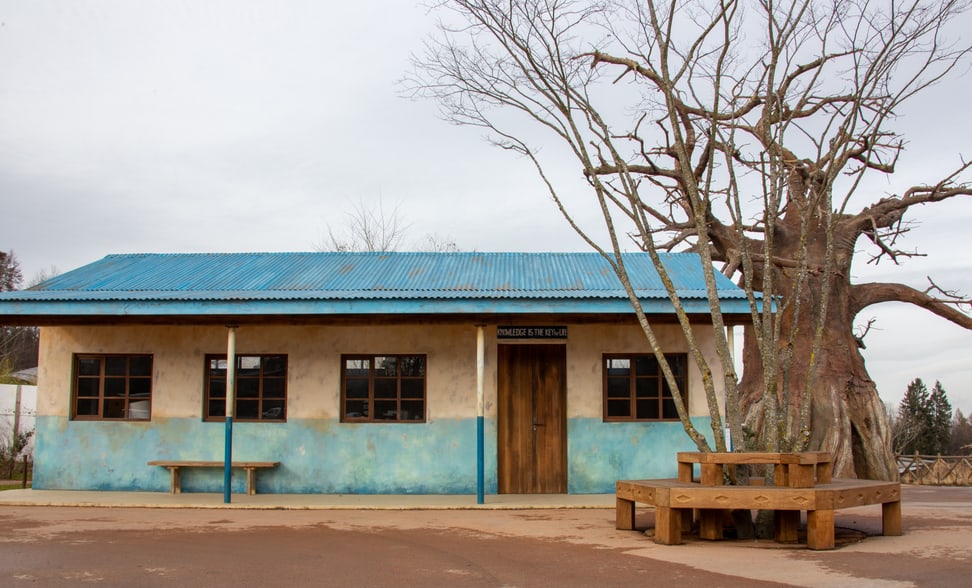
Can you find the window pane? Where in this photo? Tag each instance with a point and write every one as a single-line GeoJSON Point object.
{"type": "Point", "coordinates": [217, 388]}
{"type": "Point", "coordinates": [619, 408]}
{"type": "Point", "coordinates": [273, 410]}
{"type": "Point", "coordinates": [386, 410]}
{"type": "Point", "coordinates": [386, 366]}
{"type": "Point", "coordinates": [618, 388]}
{"type": "Point", "coordinates": [87, 407]}
{"type": "Point", "coordinates": [88, 387]}
{"type": "Point", "coordinates": [140, 409]}
{"type": "Point", "coordinates": [357, 367]}
{"type": "Point", "coordinates": [248, 365]}
{"type": "Point", "coordinates": [413, 388]}
{"type": "Point", "coordinates": [648, 409]}
{"type": "Point", "coordinates": [89, 367]}
{"type": "Point", "coordinates": [356, 388]}
{"type": "Point", "coordinates": [412, 366]}
{"type": "Point", "coordinates": [248, 362]}
{"type": "Point", "coordinates": [646, 366]}
{"type": "Point", "coordinates": [217, 408]}
{"type": "Point", "coordinates": [386, 388]}
{"type": "Point", "coordinates": [248, 387]}
{"type": "Point", "coordinates": [646, 388]}
{"type": "Point", "coordinates": [356, 409]}
{"type": "Point", "coordinates": [217, 367]}
{"type": "Point", "coordinates": [275, 365]}
{"type": "Point", "coordinates": [413, 410]}
{"type": "Point", "coordinates": [678, 363]}
{"type": "Point", "coordinates": [140, 387]}
{"type": "Point", "coordinates": [666, 389]}
{"type": "Point", "coordinates": [114, 386]}
{"type": "Point", "coordinates": [247, 409]}
{"type": "Point", "coordinates": [669, 411]}
{"type": "Point", "coordinates": [618, 367]}
{"type": "Point", "coordinates": [116, 366]}
{"type": "Point", "coordinates": [274, 388]}
{"type": "Point", "coordinates": [114, 409]}
{"type": "Point", "coordinates": [141, 366]}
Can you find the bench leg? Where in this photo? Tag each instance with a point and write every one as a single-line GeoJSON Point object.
{"type": "Point", "coordinates": [175, 480]}
{"type": "Point", "coordinates": [891, 518]}
{"type": "Point", "coordinates": [688, 517]}
{"type": "Point", "coordinates": [668, 525]}
{"type": "Point", "coordinates": [250, 481]}
{"type": "Point", "coordinates": [624, 515]}
{"type": "Point", "coordinates": [820, 529]}
{"type": "Point", "coordinates": [710, 523]}
{"type": "Point", "coordinates": [786, 525]}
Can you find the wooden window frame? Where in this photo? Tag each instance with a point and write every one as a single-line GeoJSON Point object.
{"type": "Point", "coordinates": [679, 364]}
{"type": "Point", "coordinates": [83, 379]}
{"type": "Point", "coordinates": [371, 399]}
{"type": "Point", "coordinates": [261, 398]}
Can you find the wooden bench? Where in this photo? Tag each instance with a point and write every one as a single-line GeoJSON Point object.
{"type": "Point", "coordinates": [673, 498]}
{"type": "Point", "coordinates": [176, 467]}
{"type": "Point", "coordinates": [791, 469]}
{"type": "Point", "coordinates": [796, 470]}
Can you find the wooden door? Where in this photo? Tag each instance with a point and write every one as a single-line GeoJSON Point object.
{"type": "Point", "coordinates": [532, 419]}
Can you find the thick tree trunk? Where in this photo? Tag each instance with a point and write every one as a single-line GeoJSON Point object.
{"type": "Point", "coordinates": [847, 416]}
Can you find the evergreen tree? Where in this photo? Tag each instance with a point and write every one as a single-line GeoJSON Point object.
{"type": "Point", "coordinates": [924, 421]}
{"type": "Point", "coordinates": [10, 276]}
{"type": "Point", "coordinates": [940, 411]}
{"type": "Point", "coordinates": [18, 345]}
{"type": "Point", "coordinates": [914, 419]}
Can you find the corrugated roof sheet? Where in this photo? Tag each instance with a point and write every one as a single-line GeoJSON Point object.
{"type": "Point", "coordinates": [358, 276]}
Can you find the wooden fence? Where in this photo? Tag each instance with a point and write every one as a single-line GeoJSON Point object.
{"type": "Point", "coordinates": [936, 470]}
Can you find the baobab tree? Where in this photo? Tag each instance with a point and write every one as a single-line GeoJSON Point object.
{"type": "Point", "coordinates": [746, 131]}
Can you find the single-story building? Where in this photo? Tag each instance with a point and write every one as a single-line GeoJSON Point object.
{"type": "Point", "coordinates": [365, 372]}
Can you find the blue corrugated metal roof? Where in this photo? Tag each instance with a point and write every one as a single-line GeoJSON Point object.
{"type": "Point", "coordinates": [291, 278]}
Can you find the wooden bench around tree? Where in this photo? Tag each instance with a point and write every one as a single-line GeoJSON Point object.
{"type": "Point", "coordinates": [176, 467]}
{"type": "Point", "coordinates": [792, 469]}
{"type": "Point", "coordinates": [673, 498]}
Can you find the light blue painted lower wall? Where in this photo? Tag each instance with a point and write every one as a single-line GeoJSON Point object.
{"type": "Point", "coordinates": [599, 453]}
{"type": "Point", "coordinates": [325, 456]}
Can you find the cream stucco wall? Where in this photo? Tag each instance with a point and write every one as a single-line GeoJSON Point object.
{"type": "Point", "coordinates": [313, 388]}
{"type": "Point", "coordinates": [314, 362]}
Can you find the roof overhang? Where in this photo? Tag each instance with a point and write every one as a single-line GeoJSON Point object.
{"type": "Point", "coordinates": [51, 313]}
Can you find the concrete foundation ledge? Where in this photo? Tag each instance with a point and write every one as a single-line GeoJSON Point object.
{"type": "Point", "coordinates": [82, 498]}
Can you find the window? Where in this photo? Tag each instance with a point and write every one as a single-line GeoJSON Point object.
{"type": "Point", "coordinates": [635, 388]}
{"type": "Point", "coordinates": [261, 388]}
{"type": "Point", "coordinates": [383, 388]}
{"type": "Point", "coordinates": [113, 387]}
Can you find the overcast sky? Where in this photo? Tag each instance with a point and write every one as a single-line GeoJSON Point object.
{"type": "Point", "coordinates": [143, 126]}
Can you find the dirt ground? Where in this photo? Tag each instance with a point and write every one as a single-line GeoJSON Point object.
{"type": "Point", "coordinates": [61, 546]}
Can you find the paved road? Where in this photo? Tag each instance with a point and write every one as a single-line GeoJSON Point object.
{"type": "Point", "coordinates": [56, 546]}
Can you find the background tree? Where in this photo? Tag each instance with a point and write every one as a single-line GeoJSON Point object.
{"type": "Point", "coordinates": [960, 441]}
{"type": "Point", "coordinates": [914, 423]}
{"type": "Point", "coordinates": [375, 228]}
{"type": "Point", "coordinates": [924, 421]}
{"type": "Point", "coordinates": [10, 276]}
{"type": "Point", "coordinates": [367, 229]}
{"type": "Point", "coordinates": [744, 131]}
{"type": "Point", "coordinates": [18, 345]}
{"type": "Point", "coordinates": [941, 420]}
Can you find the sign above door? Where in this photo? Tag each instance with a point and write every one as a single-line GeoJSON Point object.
{"type": "Point", "coordinates": [531, 332]}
